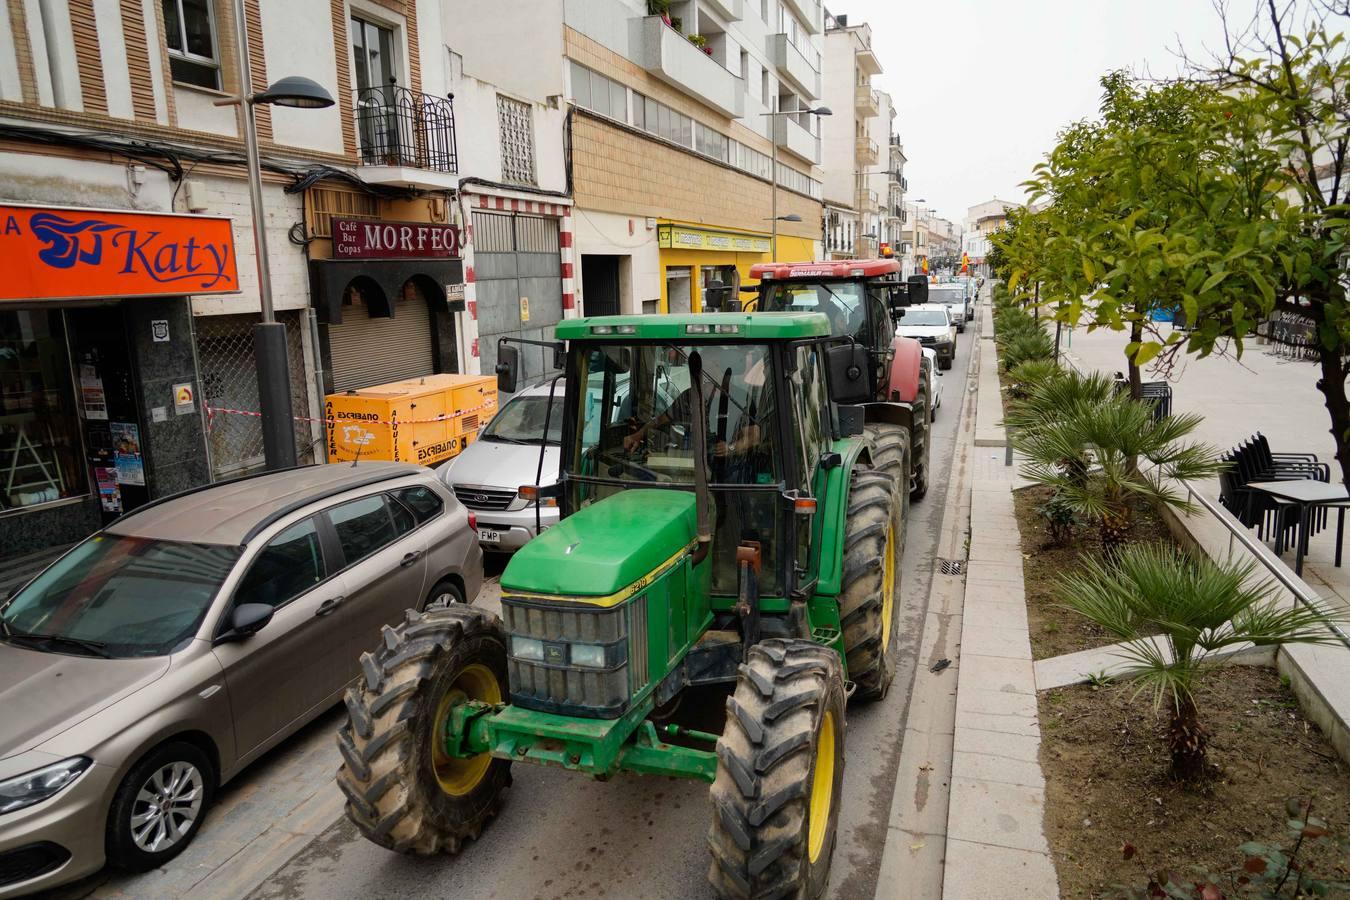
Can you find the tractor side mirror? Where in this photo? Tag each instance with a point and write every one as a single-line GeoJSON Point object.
{"type": "Point", "coordinates": [848, 365]}
{"type": "Point", "coordinates": [918, 289]}
{"type": "Point", "coordinates": [508, 367]}
{"type": "Point", "coordinates": [897, 300]}
{"type": "Point", "coordinates": [560, 355]}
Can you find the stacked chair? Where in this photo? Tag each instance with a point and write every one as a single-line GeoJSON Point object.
{"type": "Point", "coordinates": [1252, 460]}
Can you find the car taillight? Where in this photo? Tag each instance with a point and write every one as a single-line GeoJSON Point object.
{"type": "Point", "coordinates": [473, 522]}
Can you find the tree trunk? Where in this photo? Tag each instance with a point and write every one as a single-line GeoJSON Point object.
{"type": "Point", "coordinates": [1332, 386]}
{"type": "Point", "coordinates": [1136, 382]}
{"type": "Point", "coordinates": [1114, 532]}
{"type": "Point", "coordinates": [1186, 740]}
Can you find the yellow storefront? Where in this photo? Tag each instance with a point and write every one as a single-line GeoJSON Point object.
{"type": "Point", "coordinates": [696, 259]}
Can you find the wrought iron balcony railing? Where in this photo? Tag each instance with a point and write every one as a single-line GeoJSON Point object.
{"type": "Point", "coordinates": [401, 127]}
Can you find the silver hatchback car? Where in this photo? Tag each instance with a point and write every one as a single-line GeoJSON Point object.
{"type": "Point", "coordinates": [152, 662]}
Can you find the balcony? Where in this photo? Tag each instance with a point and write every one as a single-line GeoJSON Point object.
{"type": "Point", "coordinates": [893, 174]}
{"type": "Point", "coordinates": [895, 214]}
{"type": "Point", "coordinates": [866, 101]}
{"type": "Point", "coordinates": [809, 12]}
{"type": "Point", "coordinates": [868, 62]}
{"type": "Point", "coordinates": [795, 139]}
{"type": "Point", "coordinates": [793, 66]}
{"type": "Point", "coordinates": [406, 138]}
{"type": "Point", "coordinates": [731, 10]}
{"type": "Point", "coordinates": [866, 152]}
{"type": "Point", "coordinates": [668, 55]}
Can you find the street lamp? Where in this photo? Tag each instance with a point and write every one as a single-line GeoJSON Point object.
{"type": "Point", "coordinates": [269, 335]}
{"type": "Point", "coordinates": [773, 166]}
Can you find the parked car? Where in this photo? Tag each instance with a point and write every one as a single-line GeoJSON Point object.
{"type": "Point", "coordinates": [152, 662]}
{"type": "Point", "coordinates": [954, 297]}
{"type": "Point", "coordinates": [486, 477]}
{"type": "Point", "coordinates": [931, 325]}
{"type": "Point", "coordinates": [931, 355]}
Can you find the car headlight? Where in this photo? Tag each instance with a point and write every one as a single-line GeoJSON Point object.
{"type": "Point", "coordinates": [527, 648]}
{"type": "Point", "coordinates": [592, 656]}
{"type": "Point", "coordinates": [36, 786]}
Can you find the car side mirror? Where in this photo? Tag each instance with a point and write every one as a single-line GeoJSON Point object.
{"type": "Point", "coordinates": [848, 365]}
{"type": "Point", "coordinates": [508, 367]}
{"type": "Point", "coordinates": [249, 618]}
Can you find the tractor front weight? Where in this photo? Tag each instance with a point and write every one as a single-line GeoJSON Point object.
{"type": "Point", "coordinates": [595, 747]}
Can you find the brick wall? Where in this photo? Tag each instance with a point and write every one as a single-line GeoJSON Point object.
{"type": "Point", "coordinates": [619, 171]}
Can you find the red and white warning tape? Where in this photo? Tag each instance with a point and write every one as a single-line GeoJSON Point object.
{"type": "Point", "coordinates": [490, 403]}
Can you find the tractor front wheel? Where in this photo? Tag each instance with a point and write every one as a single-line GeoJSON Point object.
{"type": "Point", "coordinates": [404, 792]}
{"type": "Point", "coordinates": [873, 545]}
{"type": "Point", "coordinates": [780, 771]}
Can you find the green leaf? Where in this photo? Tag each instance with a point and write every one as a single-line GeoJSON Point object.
{"type": "Point", "coordinates": [1213, 281]}
{"type": "Point", "coordinates": [1263, 286]}
{"type": "Point", "coordinates": [1146, 353]}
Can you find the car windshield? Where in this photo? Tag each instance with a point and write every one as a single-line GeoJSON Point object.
{"type": "Point", "coordinates": [840, 301]}
{"type": "Point", "coordinates": [924, 317]}
{"type": "Point", "coordinates": [118, 596]}
{"type": "Point", "coordinates": [521, 421]}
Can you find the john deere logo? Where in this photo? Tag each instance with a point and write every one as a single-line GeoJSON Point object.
{"type": "Point", "coordinates": [555, 654]}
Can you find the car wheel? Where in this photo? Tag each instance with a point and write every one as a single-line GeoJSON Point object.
{"type": "Point", "coordinates": [159, 806]}
{"type": "Point", "coordinates": [445, 593]}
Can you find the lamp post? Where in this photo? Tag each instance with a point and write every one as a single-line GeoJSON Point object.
{"type": "Point", "coordinates": [773, 169]}
{"type": "Point", "coordinates": [269, 335]}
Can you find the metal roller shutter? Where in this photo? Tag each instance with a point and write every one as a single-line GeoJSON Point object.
{"type": "Point", "coordinates": [370, 351]}
{"type": "Point", "coordinates": [517, 257]}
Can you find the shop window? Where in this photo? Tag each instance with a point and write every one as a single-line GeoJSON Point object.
{"type": "Point", "coordinates": [516, 129]}
{"type": "Point", "coordinates": [40, 450]}
{"type": "Point", "coordinates": [190, 33]}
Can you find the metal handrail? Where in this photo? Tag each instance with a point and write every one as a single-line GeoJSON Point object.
{"type": "Point", "coordinates": [1273, 564]}
{"type": "Point", "coordinates": [401, 127]}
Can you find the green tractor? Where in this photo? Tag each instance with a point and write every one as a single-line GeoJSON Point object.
{"type": "Point", "coordinates": [724, 522]}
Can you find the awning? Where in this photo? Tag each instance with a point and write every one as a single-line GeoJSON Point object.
{"type": "Point", "coordinates": [380, 282]}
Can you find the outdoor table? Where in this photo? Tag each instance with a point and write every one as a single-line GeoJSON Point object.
{"type": "Point", "coordinates": [1307, 495]}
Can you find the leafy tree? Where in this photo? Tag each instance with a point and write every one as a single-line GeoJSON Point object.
{"type": "Point", "coordinates": [1196, 606]}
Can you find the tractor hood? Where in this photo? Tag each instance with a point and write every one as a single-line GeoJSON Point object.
{"type": "Point", "coordinates": [606, 547]}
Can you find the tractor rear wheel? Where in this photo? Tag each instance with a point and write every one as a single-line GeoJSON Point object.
{"type": "Point", "coordinates": [403, 791]}
{"type": "Point", "coordinates": [873, 542]}
{"type": "Point", "coordinates": [892, 456]}
{"type": "Point", "coordinates": [780, 770]}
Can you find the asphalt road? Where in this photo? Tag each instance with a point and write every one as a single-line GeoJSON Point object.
{"type": "Point", "coordinates": [561, 836]}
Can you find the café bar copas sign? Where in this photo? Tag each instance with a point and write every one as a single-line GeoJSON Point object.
{"type": "Point", "coordinates": [60, 253]}
{"type": "Point", "coordinates": [375, 239]}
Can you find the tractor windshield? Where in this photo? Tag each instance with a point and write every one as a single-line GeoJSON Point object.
{"type": "Point", "coordinates": [634, 428]}
{"type": "Point", "coordinates": [842, 302]}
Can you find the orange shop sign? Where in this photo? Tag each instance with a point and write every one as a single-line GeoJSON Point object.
{"type": "Point", "coordinates": [53, 253]}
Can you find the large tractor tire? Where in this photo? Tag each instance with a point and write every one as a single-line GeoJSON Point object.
{"type": "Point", "coordinates": [403, 791]}
{"type": "Point", "coordinates": [873, 540]}
{"type": "Point", "coordinates": [891, 456]}
{"type": "Point", "coordinates": [780, 771]}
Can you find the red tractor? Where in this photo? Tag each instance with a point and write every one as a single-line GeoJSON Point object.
{"type": "Point", "coordinates": [862, 299]}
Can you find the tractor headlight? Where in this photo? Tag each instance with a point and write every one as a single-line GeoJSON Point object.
{"type": "Point", "coordinates": [589, 655]}
{"type": "Point", "coordinates": [527, 648]}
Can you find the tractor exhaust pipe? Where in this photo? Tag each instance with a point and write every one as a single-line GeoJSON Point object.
{"type": "Point", "coordinates": [699, 422]}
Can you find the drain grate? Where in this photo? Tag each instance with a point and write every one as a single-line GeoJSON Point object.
{"type": "Point", "coordinates": [952, 566]}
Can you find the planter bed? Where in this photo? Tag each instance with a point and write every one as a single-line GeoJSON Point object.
{"type": "Point", "coordinates": [1105, 765]}
{"type": "Point", "coordinates": [1056, 631]}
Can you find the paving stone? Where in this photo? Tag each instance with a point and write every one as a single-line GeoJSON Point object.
{"type": "Point", "coordinates": [1003, 769]}
{"type": "Point", "coordinates": [996, 743]}
{"type": "Point", "coordinates": [996, 673]}
{"type": "Point", "coordinates": [993, 640]}
{"type": "Point", "coordinates": [1004, 815]}
{"type": "Point", "coordinates": [1003, 723]}
{"type": "Point", "coordinates": [981, 872]}
{"type": "Point", "coordinates": [970, 699]}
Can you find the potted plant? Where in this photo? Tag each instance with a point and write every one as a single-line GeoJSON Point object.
{"type": "Point", "coordinates": [698, 41]}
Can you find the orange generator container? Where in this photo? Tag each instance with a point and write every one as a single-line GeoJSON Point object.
{"type": "Point", "coordinates": [420, 420]}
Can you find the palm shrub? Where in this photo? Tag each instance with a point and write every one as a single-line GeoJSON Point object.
{"type": "Point", "coordinates": [1194, 606]}
{"type": "Point", "coordinates": [1047, 399]}
{"type": "Point", "coordinates": [1091, 452]}
{"type": "Point", "coordinates": [1025, 346]}
{"type": "Point", "coordinates": [1027, 376]}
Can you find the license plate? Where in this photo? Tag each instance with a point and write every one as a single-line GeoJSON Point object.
{"type": "Point", "coordinates": [489, 536]}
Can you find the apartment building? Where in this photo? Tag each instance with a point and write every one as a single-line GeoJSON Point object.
{"type": "Point", "coordinates": [982, 220]}
{"type": "Point", "coordinates": [675, 154]}
{"type": "Point", "coordinates": [422, 215]}
{"type": "Point", "coordinates": [853, 157]}
{"type": "Point", "coordinates": [897, 185]}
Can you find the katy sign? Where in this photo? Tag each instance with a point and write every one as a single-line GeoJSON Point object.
{"type": "Point", "coordinates": [53, 253]}
{"type": "Point", "coordinates": [371, 239]}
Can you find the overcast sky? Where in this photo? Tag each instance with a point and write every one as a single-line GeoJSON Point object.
{"type": "Point", "coordinates": [982, 86]}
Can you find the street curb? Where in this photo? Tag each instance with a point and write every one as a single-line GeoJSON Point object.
{"type": "Point", "coordinates": [989, 430]}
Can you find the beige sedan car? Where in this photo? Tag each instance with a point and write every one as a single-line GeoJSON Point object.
{"type": "Point", "coordinates": [152, 662]}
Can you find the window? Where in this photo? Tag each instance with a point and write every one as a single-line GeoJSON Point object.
{"type": "Point", "coordinates": [516, 128]}
{"type": "Point", "coordinates": [290, 564]}
{"type": "Point", "coordinates": [599, 94]}
{"type": "Point", "coordinates": [367, 525]}
{"type": "Point", "coordinates": [423, 501]}
{"type": "Point", "coordinates": [709, 142]}
{"type": "Point", "coordinates": [190, 32]}
{"type": "Point", "coordinates": [41, 458]}
{"type": "Point", "coordinates": [373, 51]}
